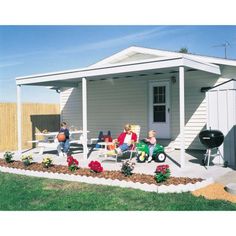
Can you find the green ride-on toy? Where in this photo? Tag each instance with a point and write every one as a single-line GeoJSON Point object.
{"type": "Point", "coordinates": [143, 152]}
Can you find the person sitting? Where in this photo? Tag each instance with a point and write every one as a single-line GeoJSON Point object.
{"type": "Point", "coordinates": [151, 141]}
{"type": "Point", "coordinates": [125, 140]}
{"type": "Point", "coordinates": [65, 145]}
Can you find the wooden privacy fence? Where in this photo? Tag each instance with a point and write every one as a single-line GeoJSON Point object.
{"type": "Point", "coordinates": [35, 118]}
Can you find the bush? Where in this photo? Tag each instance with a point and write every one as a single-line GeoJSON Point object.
{"type": "Point", "coordinates": [27, 159]}
{"type": "Point", "coordinates": [127, 168]}
{"type": "Point", "coordinates": [73, 164]}
{"type": "Point", "coordinates": [47, 162]}
{"type": "Point", "coordinates": [8, 156]}
{"type": "Point", "coordinates": [162, 173]}
{"type": "Point", "coordinates": [95, 166]}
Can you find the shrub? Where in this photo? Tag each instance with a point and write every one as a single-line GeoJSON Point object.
{"type": "Point", "coordinates": [162, 173]}
{"type": "Point", "coordinates": [47, 162]}
{"type": "Point", "coordinates": [127, 167]}
{"type": "Point", "coordinates": [73, 164]}
{"type": "Point", "coordinates": [95, 166]}
{"type": "Point", "coordinates": [8, 156]}
{"type": "Point", "coordinates": [27, 159]}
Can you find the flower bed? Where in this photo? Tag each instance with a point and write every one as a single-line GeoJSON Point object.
{"type": "Point", "coordinates": [114, 175]}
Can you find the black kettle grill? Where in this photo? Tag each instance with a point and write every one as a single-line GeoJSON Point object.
{"type": "Point", "coordinates": [211, 139]}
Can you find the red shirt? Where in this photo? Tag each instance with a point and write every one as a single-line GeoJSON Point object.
{"type": "Point", "coordinates": [121, 137]}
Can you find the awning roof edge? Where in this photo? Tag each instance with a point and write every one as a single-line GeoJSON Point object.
{"type": "Point", "coordinates": [121, 68]}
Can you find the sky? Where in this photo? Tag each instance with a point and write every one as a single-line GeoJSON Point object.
{"type": "Point", "coordinates": [26, 50]}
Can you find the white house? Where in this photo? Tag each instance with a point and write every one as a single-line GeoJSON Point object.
{"type": "Point", "coordinates": [156, 89]}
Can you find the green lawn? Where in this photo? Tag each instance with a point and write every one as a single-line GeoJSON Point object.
{"type": "Point", "coordinates": [29, 193]}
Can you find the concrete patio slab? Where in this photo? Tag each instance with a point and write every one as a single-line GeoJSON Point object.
{"type": "Point", "coordinates": [192, 169]}
{"type": "Point", "coordinates": [229, 177]}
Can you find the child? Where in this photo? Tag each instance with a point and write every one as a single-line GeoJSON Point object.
{"type": "Point", "coordinates": [125, 140]}
{"type": "Point", "coordinates": [66, 144]}
{"type": "Point", "coordinates": [151, 143]}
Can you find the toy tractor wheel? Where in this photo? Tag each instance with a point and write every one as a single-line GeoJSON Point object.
{"type": "Point", "coordinates": [160, 157]}
{"type": "Point", "coordinates": [141, 157]}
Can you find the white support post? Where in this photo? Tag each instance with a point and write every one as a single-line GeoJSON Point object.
{"type": "Point", "coordinates": [182, 116]}
{"type": "Point", "coordinates": [19, 128]}
{"type": "Point", "coordinates": [84, 107]}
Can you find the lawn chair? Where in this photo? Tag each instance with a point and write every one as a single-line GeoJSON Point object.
{"type": "Point", "coordinates": [136, 129]}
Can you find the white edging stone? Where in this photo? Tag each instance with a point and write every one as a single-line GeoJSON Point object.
{"type": "Point", "coordinates": [119, 183]}
{"type": "Point", "coordinates": [184, 188]}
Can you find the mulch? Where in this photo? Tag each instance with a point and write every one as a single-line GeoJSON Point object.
{"type": "Point", "coordinates": [141, 178]}
{"type": "Point", "coordinates": [215, 191]}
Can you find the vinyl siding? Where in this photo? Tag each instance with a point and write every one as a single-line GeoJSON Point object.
{"type": "Point", "coordinates": [195, 108]}
{"type": "Point", "coordinates": [111, 104]}
{"type": "Point", "coordinates": [71, 107]}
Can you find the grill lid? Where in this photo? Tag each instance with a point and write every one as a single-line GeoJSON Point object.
{"type": "Point", "coordinates": [211, 138]}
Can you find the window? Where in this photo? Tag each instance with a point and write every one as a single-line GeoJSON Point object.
{"type": "Point", "coordinates": [159, 113]}
{"type": "Point", "coordinates": [159, 94]}
{"type": "Point", "coordinates": [159, 104]}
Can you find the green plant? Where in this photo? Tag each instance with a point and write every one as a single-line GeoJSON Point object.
{"type": "Point", "coordinates": [127, 167]}
{"type": "Point", "coordinates": [8, 156]}
{"type": "Point", "coordinates": [27, 159]}
{"type": "Point", "coordinates": [47, 162]}
{"type": "Point", "coordinates": [162, 173]}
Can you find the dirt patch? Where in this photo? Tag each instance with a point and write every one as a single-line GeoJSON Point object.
{"type": "Point", "coordinates": [64, 186]}
{"type": "Point", "coordinates": [215, 191]}
{"type": "Point", "coordinates": [141, 178]}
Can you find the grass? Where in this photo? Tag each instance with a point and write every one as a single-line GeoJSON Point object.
{"type": "Point", "coordinates": [19, 192]}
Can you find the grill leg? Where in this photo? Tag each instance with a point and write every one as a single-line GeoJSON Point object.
{"type": "Point", "coordinates": [220, 154]}
{"type": "Point", "coordinates": [209, 157]}
{"type": "Point", "coordinates": [205, 158]}
{"type": "Point", "coordinates": [225, 163]}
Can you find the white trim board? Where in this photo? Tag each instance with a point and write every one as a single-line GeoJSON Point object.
{"type": "Point", "coordinates": [162, 53]}
{"type": "Point", "coordinates": [112, 70]}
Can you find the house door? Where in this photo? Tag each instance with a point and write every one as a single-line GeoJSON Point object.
{"type": "Point", "coordinates": [159, 108]}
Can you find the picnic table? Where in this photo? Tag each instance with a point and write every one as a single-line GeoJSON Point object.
{"type": "Point", "coordinates": [50, 135]}
{"type": "Point", "coordinates": [50, 140]}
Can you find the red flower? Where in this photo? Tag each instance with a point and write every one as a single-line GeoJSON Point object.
{"type": "Point", "coordinates": [95, 166]}
{"type": "Point", "coordinates": [76, 162]}
{"type": "Point", "coordinates": [72, 161]}
{"type": "Point", "coordinates": [162, 169]}
{"type": "Point", "coordinates": [69, 158]}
